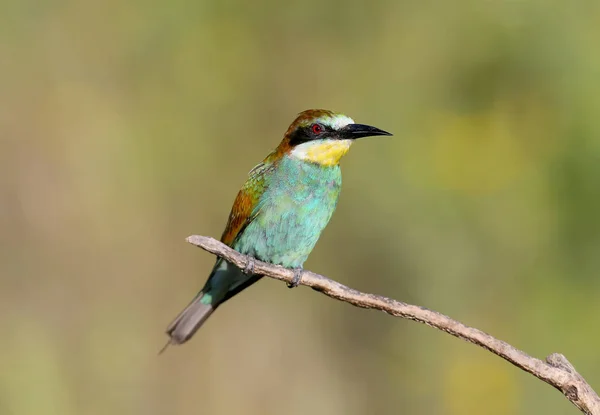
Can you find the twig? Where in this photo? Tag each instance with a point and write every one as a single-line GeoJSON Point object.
{"type": "Point", "coordinates": [556, 370]}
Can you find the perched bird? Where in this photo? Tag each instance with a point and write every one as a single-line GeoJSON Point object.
{"type": "Point", "coordinates": [281, 210]}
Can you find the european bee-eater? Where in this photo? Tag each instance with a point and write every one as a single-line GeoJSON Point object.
{"type": "Point", "coordinates": [281, 210]}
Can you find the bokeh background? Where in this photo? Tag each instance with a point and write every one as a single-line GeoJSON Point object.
{"type": "Point", "coordinates": [127, 126]}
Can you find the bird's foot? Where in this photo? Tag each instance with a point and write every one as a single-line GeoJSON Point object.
{"type": "Point", "coordinates": [249, 268]}
{"type": "Point", "coordinates": [297, 278]}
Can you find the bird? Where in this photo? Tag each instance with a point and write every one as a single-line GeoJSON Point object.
{"type": "Point", "coordinates": [280, 211]}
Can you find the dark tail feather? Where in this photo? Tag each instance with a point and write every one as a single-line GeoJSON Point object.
{"type": "Point", "coordinates": [188, 322]}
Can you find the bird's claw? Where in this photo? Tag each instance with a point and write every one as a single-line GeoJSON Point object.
{"type": "Point", "coordinates": [297, 278]}
{"type": "Point", "coordinates": [249, 268]}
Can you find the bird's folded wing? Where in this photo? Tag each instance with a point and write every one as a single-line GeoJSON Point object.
{"type": "Point", "coordinates": [247, 203]}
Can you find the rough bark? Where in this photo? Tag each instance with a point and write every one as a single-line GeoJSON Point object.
{"type": "Point", "coordinates": [556, 370]}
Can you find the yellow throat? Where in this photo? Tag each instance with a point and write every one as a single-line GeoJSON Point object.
{"type": "Point", "coordinates": [323, 152]}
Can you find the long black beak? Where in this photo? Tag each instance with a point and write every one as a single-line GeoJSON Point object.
{"type": "Point", "coordinates": [354, 131]}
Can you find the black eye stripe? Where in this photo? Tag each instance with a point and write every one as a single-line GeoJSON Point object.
{"type": "Point", "coordinates": [305, 134]}
{"type": "Point", "coordinates": [299, 136]}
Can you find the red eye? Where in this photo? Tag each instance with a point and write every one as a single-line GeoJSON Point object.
{"type": "Point", "coordinates": [317, 129]}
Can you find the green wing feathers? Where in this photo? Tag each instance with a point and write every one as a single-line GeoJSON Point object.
{"type": "Point", "coordinates": [246, 205]}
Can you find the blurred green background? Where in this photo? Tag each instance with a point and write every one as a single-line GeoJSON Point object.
{"type": "Point", "coordinates": [127, 126]}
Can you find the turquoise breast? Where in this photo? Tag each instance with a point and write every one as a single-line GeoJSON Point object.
{"type": "Point", "coordinates": [298, 202]}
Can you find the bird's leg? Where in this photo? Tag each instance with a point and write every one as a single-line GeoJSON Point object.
{"type": "Point", "coordinates": [297, 278]}
{"type": "Point", "coordinates": [249, 268]}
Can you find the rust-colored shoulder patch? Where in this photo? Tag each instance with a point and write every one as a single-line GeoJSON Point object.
{"type": "Point", "coordinates": [245, 207]}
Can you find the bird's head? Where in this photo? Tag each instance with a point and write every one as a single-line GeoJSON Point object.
{"type": "Point", "coordinates": [323, 137]}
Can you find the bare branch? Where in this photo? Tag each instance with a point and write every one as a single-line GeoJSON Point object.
{"type": "Point", "coordinates": [556, 370]}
